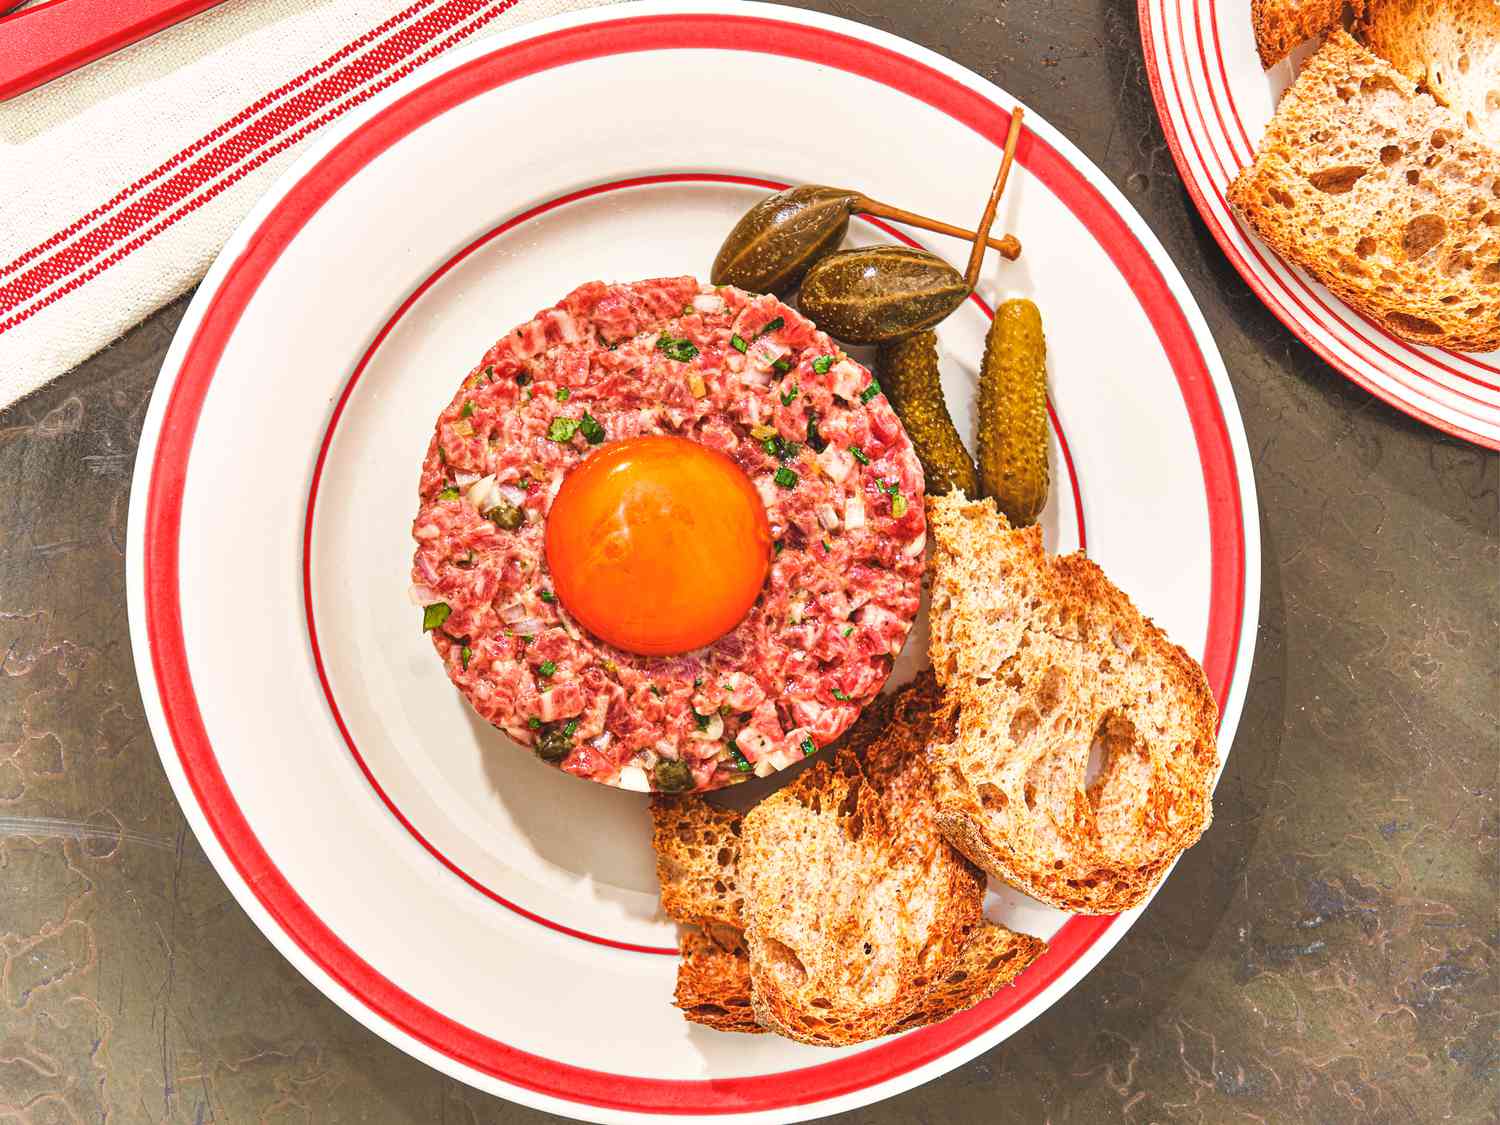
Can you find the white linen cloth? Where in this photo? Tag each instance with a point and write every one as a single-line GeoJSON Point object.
{"type": "Point", "coordinates": [121, 181]}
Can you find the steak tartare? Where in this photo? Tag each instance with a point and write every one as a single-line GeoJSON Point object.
{"type": "Point", "coordinates": [741, 374]}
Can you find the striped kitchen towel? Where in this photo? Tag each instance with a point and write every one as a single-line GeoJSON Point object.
{"type": "Point", "coordinates": [121, 181]}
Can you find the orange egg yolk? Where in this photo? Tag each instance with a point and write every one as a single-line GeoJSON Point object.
{"type": "Point", "coordinates": [658, 545]}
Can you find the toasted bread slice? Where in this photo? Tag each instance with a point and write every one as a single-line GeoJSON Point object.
{"type": "Point", "coordinates": [713, 984]}
{"type": "Point", "coordinates": [993, 958]}
{"type": "Point", "coordinates": [1281, 25]}
{"type": "Point", "coordinates": [854, 904]}
{"type": "Point", "coordinates": [1072, 670]}
{"type": "Point", "coordinates": [697, 846]}
{"type": "Point", "coordinates": [1451, 48]}
{"type": "Point", "coordinates": [1384, 197]}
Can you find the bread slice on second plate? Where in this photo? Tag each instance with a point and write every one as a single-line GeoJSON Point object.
{"type": "Point", "coordinates": [1451, 48]}
{"type": "Point", "coordinates": [1281, 25]}
{"type": "Point", "coordinates": [854, 903]}
{"type": "Point", "coordinates": [1051, 670]}
{"type": "Point", "coordinates": [1384, 196]}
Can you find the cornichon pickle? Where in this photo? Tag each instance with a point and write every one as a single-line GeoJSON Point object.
{"type": "Point", "coordinates": [880, 293]}
{"type": "Point", "coordinates": [1013, 413]}
{"type": "Point", "coordinates": [772, 246]}
{"type": "Point", "coordinates": [909, 377]}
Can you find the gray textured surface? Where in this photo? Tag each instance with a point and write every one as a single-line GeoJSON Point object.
{"type": "Point", "coordinates": [1325, 954]}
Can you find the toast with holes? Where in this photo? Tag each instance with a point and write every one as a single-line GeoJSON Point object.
{"type": "Point", "coordinates": [854, 903]}
{"type": "Point", "coordinates": [713, 984]}
{"type": "Point", "coordinates": [697, 846]}
{"type": "Point", "coordinates": [1281, 25]}
{"type": "Point", "coordinates": [1450, 48]}
{"type": "Point", "coordinates": [1083, 749]}
{"type": "Point", "coordinates": [1384, 196]}
{"type": "Point", "coordinates": [992, 958]}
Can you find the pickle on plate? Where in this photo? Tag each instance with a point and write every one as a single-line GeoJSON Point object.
{"type": "Point", "coordinates": [1013, 413]}
{"type": "Point", "coordinates": [909, 377]}
{"type": "Point", "coordinates": [880, 293]}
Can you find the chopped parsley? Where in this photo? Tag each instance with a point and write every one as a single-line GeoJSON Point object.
{"type": "Point", "coordinates": [434, 615]}
{"type": "Point", "coordinates": [656, 691]}
{"type": "Point", "coordinates": [702, 720]}
{"type": "Point", "coordinates": [840, 695]}
{"type": "Point", "coordinates": [859, 455]}
{"type": "Point", "coordinates": [534, 723]}
{"type": "Point", "coordinates": [771, 326]}
{"type": "Point", "coordinates": [898, 505]}
{"type": "Point", "coordinates": [778, 546]}
{"type": "Point", "coordinates": [783, 365]}
{"type": "Point", "coordinates": [570, 728]}
{"type": "Point", "coordinates": [489, 372]}
{"type": "Point", "coordinates": [786, 478]}
{"type": "Point", "coordinates": [808, 748]}
{"type": "Point", "coordinates": [467, 411]}
{"type": "Point", "coordinates": [562, 429]}
{"type": "Point", "coordinates": [449, 493]}
{"type": "Point", "coordinates": [590, 428]}
{"type": "Point", "coordinates": [563, 394]}
{"type": "Point", "coordinates": [848, 629]}
{"type": "Point", "coordinates": [546, 669]}
{"type": "Point", "coordinates": [782, 450]}
{"type": "Point", "coordinates": [741, 763]}
{"type": "Point", "coordinates": [827, 550]}
{"type": "Point", "coordinates": [463, 655]}
{"type": "Point", "coordinates": [788, 395]}
{"type": "Point", "coordinates": [814, 438]}
{"type": "Point", "coordinates": [737, 342]}
{"type": "Point", "coordinates": [822, 364]}
{"type": "Point", "coordinates": [548, 596]}
{"type": "Point", "coordinates": [682, 350]}
{"type": "Point", "coordinates": [870, 392]}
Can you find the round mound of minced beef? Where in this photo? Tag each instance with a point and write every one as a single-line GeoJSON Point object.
{"type": "Point", "coordinates": [748, 376]}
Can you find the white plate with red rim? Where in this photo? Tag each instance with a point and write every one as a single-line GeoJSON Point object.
{"type": "Point", "coordinates": [484, 912]}
{"type": "Point", "coordinates": [1215, 101]}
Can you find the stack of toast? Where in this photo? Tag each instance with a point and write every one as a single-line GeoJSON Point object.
{"type": "Point", "coordinates": [1060, 743]}
{"type": "Point", "coordinates": [1379, 173]}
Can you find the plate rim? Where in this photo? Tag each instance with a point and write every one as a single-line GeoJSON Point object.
{"type": "Point", "coordinates": [141, 582]}
{"type": "Point", "coordinates": [1145, 9]}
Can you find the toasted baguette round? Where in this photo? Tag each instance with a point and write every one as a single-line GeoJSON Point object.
{"type": "Point", "coordinates": [1451, 48]}
{"type": "Point", "coordinates": [1384, 196]}
{"type": "Point", "coordinates": [1045, 664]}
{"type": "Point", "coordinates": [993, 958]}
{"type": "Point", "coordinates": [1281, 25]}
{"type": "Point", "coordinates": [854, 903]}
{"type": "Point", "coordinates": [713, 984]}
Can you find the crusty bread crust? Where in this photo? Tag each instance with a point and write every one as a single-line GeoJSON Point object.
{"type": "Point", "coordinates": [1451, 48]}
{"type": "Point", "coordinates": [854, 903]}
{"type": "Point", "coordinates": [1384, 196]}
{"type": "Point", "coordinates": [713, 984]}
{"type": "Point", "coordinates": [697, 845]}
{"type": "Point", "coordinates": [1044, 660]}
{"type": "Point", "coordinates": [993, 958]}
{"type": "Point", "coordinates": [1281, 25]}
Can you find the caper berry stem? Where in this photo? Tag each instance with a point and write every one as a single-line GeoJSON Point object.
{"type": "Point", "coordinates": [1008, 245]}
{"type": "Point", "coordinates": [976, 256]}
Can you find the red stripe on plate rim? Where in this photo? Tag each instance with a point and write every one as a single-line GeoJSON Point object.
{"type": "Point", "coordinates": [885, 1062]}
{"type": "Point", "coordinates": [317, 476]}
{"type": "Point", "coordinates": [1262, 285]}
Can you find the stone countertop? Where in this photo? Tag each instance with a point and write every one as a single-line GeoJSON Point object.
{"type": "Point", "coordinates": [1327, 953]}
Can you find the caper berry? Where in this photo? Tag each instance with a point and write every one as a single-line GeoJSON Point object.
{"type": "Point", "coordinates": [879, 293]}
{"type": "Point", "coordinates": [773, 245]}
{"type": "Point", "coordinates": [672, 776]}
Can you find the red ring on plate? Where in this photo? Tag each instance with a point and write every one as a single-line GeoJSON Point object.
{"type": "Point", "coordinates": [1270, 289]}
{"type": "Point", "coordinates": [163, 612]}
{"type": "Point", "coordinates": [317, 477]}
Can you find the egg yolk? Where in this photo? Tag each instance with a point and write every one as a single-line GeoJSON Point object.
{"type": "Point", "coordinates": [658, 545]}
